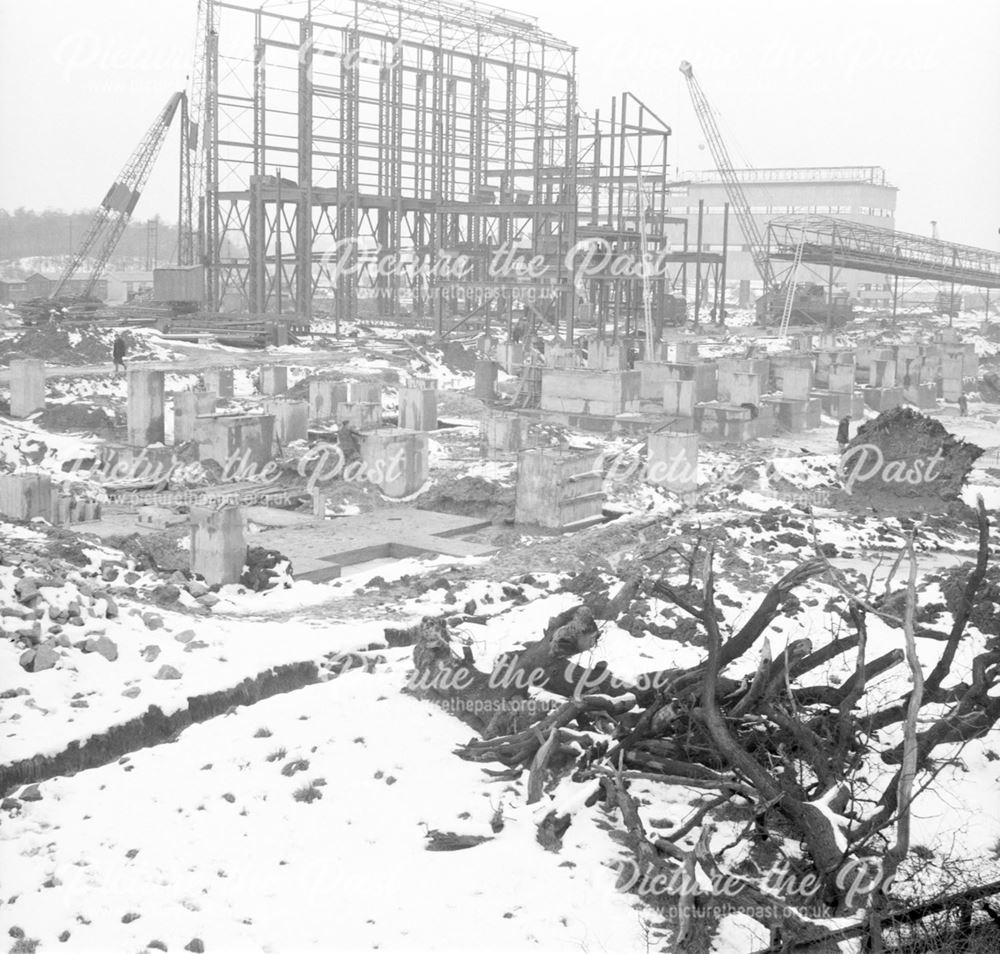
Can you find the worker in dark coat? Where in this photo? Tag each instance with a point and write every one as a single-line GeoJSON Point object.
{"type": "Point", "coordinates": [963, 405]}
{"type": "Point", "coordinates": [843, 433]}
{"type": "Point", "coordinates": [118, 350]}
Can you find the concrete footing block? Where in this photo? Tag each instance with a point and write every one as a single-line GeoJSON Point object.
{"type": "Point", "coordinates": [26, 496]}
{"type": "Point", "coordinates": [559, 489]}
{"type": "Point", "coordinates": [291, 419]}
{"type": "Point", "coordinates": [324, 396]}
{"type": "Point", "coordinates": [396, 460]}
{"type": "Point", "coordinates": [418, 409]}
{"type": "Point", "coordinates": [273, 379]}
{"type": "Point", "coordinates": [218, 545]}
{"type": "Point", "coordinates": [219, 381]}
{"type": "Point", "coordinates": [188, 407]}
{"type": "Point", "coordinates": [27, 386]}
{"type": "Point", "coordinates": [145, 411]}
{"type": "Point", "coordinates": [501, 432]}
{"type": "Point", "coordinates": [672, 461]}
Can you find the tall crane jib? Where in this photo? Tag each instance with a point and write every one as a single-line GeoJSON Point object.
{"type": "Point", "coordinates": [734, 190]}
{"type": "Point", "coordinates": [113, 214]}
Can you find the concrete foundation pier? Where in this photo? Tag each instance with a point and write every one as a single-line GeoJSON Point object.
{"type": "Point", "coordinates": [883, 399]}
{"type": "Point", "coordinates": [725, 422]}
{"type": "Point", "coordinates": [672, 461]}
{"type": "Point", "coordinates": [188, 407]}
{"type": "Point", "coordinates": [601, 393]}
{"type": "Point", "coordinates": [840, 378]}
{"type": "Point", "coordinates": [923, 396]}
{"type": "Point", "coordinates": [365, 392]}
{"type": "Point", "coordinates": [796, 384]}
{"type": "Point", "coordinates": [218, 546]}
{"type": "Point", "coordinates": [486, 380]}
{"type": "Point", "coordinates": [236, 441]}
{"type": "Point", "coordinates": [559, 489]}
{"type": "Point", "coordinates": [654, 375]}
{"type": "Point", "coordinates": [604, 356]}
{"type": "Point", "coordinates": [324, 396]}
{"type": "Point", "coordinates": [218, 381]}
{"type": "Point", "coordinates": [273, 379]}
{"type": "Point", "coordinates": [361, 415]}
{"type": "Point", "coordinates": [418, 409]}
{"type": "Point", "coordinates": [739, 387]}
{"type": "Point", "coordinates": [291, 419]}
{"type": "Point", "coordinates": [795, 414]}
{"type": "Point", "coordinates": [501, 432]}
{"type": "Point", "coordinates": [145, 411]}
{"type": "Point", "coordinates": [678, 398]}
{"type": "Point", "coordinates": [395, 460]}
{"type": "Point", "coordinates": [27, 386]}
{"type": "Point", "coordinates": [26, 496]}
{"type": "Point", "coordinates": [511, 356]}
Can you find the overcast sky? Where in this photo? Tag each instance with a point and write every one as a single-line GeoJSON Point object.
{"type": "Point", "coordinates": [911, 85]}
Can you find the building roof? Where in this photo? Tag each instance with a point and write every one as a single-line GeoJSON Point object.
{"type": "Point", "coordinates": [870, 175]}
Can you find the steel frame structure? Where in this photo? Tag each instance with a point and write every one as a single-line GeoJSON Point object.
{"type": "Point", "coordinates": [355, 145]}
{"type": "Point", "coordinates": [396, 151]}
{"type": "Point", "coordinates": [839, 243]}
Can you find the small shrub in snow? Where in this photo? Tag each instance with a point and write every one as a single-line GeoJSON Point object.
{"type": "Point", "coordinates": [307, 793]}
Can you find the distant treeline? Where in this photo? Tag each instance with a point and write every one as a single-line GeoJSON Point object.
{"type": "Point", "coordinates": [26, 234]}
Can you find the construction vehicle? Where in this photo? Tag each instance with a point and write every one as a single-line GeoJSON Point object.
{"type": "Point", "coordinates": [115, 211]}
{"type": "Point", "coordinates": [809, 304]}
{"type": "Point", "coordinates": [775, 306]}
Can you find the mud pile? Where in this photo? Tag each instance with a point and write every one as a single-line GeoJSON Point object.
{"type": "Point", "coordinates": [903, 453]}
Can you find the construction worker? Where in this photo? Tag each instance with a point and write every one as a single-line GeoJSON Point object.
{"type": "Point", "coordinates": [349, 441]}
{"type": "Point", "coordinates": [118, 350]}
{"type": "Point", "coordinates": [843, 433]}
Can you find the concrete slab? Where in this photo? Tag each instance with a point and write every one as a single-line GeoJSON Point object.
{"type": "Point", "coordinates": [320, 549]}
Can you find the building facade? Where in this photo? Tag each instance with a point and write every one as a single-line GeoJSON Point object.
{"type": "Point", "coordinates": [856, 193]}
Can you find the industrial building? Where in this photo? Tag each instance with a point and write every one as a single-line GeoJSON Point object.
{"type": "Point", "coordinates": [859, 194]}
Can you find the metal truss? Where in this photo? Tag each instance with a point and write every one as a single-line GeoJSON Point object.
{"type": "Point", "coordinates": [839, 243]}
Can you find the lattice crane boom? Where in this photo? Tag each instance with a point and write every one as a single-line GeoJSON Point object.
{"type": "Point", "coordinates": [115, 210]}
{"type": "Point", "coordinates": [737, 197]}
{"type": "Point", "coordinates": [192, 185]}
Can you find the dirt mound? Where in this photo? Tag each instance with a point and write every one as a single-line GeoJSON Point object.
{"type": "Point", "coordinates": [470, 497]}
{"type": "Point", "coordinates": [57, 344]}
{"type": "Point", "coordinates": [903, 453]}
{"type": "Point", "coordinates": [75, 417]}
